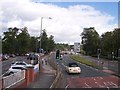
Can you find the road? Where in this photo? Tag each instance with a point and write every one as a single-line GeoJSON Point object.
{"type": "Point", "coordinates": [7, 63]}
{"type": "Point", "coordinates": [97, 78]}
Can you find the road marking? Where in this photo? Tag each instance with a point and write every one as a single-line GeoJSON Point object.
{"type": "Point", "coordinates": [87, 85]}
{"type": "Point", "coordinates": [106, 85]}
{"type": "Point", "coordinates": [63, 64]}
{"type": "Point", "coordinates": [99, 84]}
{"type": "Point", "coordinates": [110, 83]}
{"type": "Point", "coordinates": [65, 61]}
{"type": "Point", "coordinates": [66, 87]}
{"type": "Point", "coordinates": [101, 78]}
{"type": "Point", "coordinates": [114, 84]}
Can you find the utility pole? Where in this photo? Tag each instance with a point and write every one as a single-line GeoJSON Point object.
{"type": "Point", "coordinates": [41, 30]}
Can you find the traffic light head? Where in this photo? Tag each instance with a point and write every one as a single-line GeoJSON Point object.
{"type": "Point", "coordinates": [57, 54]}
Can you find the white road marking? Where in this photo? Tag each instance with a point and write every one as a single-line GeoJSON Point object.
{"type": "Point", "coordinates": [101, 78]}
{"type": "Point", "coordinates": [87, 85]}
{"type": "Point", "coordinates": [63, 65]}
{"type": "Point", "coordinates": [99, 84]}
{"type": "Point", "coordinates": [66, 87]}
{"type": "Point", "coordinates": [114, 84]}
{"type": "Point", "coordinates": [109, 83]}
{"type": "Point", "coordinates": [106, 85]}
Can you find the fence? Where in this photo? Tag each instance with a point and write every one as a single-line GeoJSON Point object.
{"type": "Point", "coordinates": [13, 79]}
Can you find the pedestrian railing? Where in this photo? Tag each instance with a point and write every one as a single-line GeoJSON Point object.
{"type": "Point", "coordinates": [13, 79]}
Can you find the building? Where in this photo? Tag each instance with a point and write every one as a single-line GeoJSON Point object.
{"type": "Point", "coordinates": [77, 47]}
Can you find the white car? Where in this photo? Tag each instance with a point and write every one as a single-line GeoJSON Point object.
{"type": "Point", "coordinates": [73, 68]}
{"type": "Point", "coordinates": [21, 63]}
{"type": "Point", "coordinates": [16, 68]}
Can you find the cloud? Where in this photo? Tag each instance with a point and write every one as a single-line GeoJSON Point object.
{"type": "Point", "coordinates": [66, 24]}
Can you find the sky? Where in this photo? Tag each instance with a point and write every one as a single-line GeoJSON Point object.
{"type": "Point", "coordinates": [68, 18]}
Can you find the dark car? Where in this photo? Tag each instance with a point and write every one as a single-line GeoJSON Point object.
{"type": "Point", "coordinates": [12, 55]}
{"type": "Point", "coordinates": [33, 58]}
{"type": "Point", "coordinates": [5, 57]}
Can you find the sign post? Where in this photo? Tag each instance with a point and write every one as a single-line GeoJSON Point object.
{"type": "Point", "coordinates": [98, 52]}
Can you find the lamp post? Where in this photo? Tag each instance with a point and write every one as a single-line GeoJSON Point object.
{"type": "Point", "coordinates": [41, 30]}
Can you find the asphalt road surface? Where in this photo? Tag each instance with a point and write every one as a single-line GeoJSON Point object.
{"type": "Point", "coordinates": [7, 63]}
{"type": "Point", "coordinates": [89, 77]}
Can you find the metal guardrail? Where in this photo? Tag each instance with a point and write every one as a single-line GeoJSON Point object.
{"type": "Point", "coordinates": [11, 80]}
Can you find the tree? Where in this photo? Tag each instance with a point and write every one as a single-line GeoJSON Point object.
{"type": "Point", "coordinates": [51, 43]}
{"type": "Point", "coordinates": [44, 41]}
{"type": "Point", "coordinates": [90, 40]}
{"type": "Point", "coordinates": [34, 45]}
{"type": "Point", "coordinates": [106, 44]}
{"type": "Point", "coordinates": [116, 40]}
{"type": "Point", "coordinates": [19, 41]}
{"type": "Point", "coordinates": [23, 40]}
{"type": "Point", "coordinates": [9, 40]}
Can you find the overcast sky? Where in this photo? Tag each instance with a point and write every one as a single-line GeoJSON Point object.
{"type": "Point", "coordinates": [68, 18]}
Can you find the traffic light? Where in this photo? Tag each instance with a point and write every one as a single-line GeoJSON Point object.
{"type": "Point", "coordinates": [57, 54]}
{"type": "Point", "coordinates": [98, 51]}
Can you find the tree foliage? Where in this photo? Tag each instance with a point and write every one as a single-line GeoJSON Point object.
{"type": "Point", "coordinates": [108, 42]}
{"type": "Point", "coordinates": [18, 40]}
{"type": "Point", "coordinates": [90, 40]}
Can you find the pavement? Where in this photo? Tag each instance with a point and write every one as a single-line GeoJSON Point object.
{"type": "Point", "coordinates": [46, 76]}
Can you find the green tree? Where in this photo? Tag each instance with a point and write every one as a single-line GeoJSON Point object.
{"type": "Point", "coordinates": [9, 40]}
{"type": "Point", "coordinates": [51, 43]}
{"type": "Point", "coordinates": [23, 41]}
{"type": "Point", "coordinates": [44, 41]}
{"type": "Point", "coordinates": [34, 45]}
{"type": "Point", "coordinates": [116, 40]}
{"type": "Point", "coordinates": [19, 41]}
{"type": "Point", "coordinates": [90, 40]}
{"type": "Point", "coordinates": [106, 44]}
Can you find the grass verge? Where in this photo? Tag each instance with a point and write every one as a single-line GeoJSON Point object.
{"type": "Point", "coordinates": [83, 60]}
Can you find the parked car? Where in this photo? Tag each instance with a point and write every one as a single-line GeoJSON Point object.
{"type": "Point", "coordinates": [21, 63]}
{"type": "Point", "coordinates": [12, 55]}
{"type": "Point", "coordinates": [73, 68]}
{"type": "Point", "coordinates": [33, 56]}
{"type": "Point", "coordinates": [7, 73]}
{"type": "Point", "coordinates": [5, 57]}
{"type": "Point", "coordinates": [16, 68]}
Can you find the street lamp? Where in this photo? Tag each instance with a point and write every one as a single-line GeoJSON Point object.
{"type": "Point", "coordinates": [41, 30]}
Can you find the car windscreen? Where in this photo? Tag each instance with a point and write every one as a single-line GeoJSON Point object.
{"type": "Point", "coordinates": [73, 65]}
{"type": "Point", "coordinates": [21, 68]}
{"type": "Point", "coordinates": [20, 64]}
